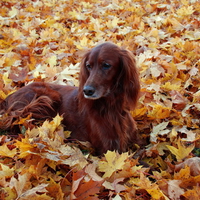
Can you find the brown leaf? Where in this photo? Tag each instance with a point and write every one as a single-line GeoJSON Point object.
{"type": "Point", "coordinates": [178, 101]}
{"type": "Point", "coordinates": [88, 190]}
{"type": "Point", "coordinates": [193, 163]}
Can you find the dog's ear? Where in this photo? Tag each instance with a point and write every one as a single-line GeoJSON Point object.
{"type": "Point", "coordinates": [84, 74]}
{"type": "Point", "coordinates": [130, 79]}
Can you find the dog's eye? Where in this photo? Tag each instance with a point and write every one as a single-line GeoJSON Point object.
{"type": "Point", "coordinates": [106, 66]}
{"type": "Point", "coordinates": [88, 66]}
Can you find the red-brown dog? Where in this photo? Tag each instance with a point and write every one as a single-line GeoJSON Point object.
{"type": "Point", "coordinates": [97, 111]}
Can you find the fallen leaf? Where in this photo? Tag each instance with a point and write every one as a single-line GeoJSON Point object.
{"type": "Point", "coordinates": [74, 156]}
{"type": "Point", "coordinates": [114, 161]}
{"type": "Point", "coordinates": [88, 190]}
{"type": "Point", "coordinates": [5, 151]}
{"type": "Point", "coordinates": [181, 151]}
{"type": "Point", "coordinates": [174, 189]}
{"type": "Point", "coordinates": [192, 163]}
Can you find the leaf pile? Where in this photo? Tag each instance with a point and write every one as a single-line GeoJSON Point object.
{"type": "Point", "coordinates": [45, 40]}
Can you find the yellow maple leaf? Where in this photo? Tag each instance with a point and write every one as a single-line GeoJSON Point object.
{"type": "Point", "coordinates": [139, 112]}
{"type": "Point", "coordinates": [176, 122]}
{"type": "Point", "coordinates": [6, 78]}
{"type": "Point", "coordinates": [185, 2]}
{"type": "Point", "coordinates": [56, 121]}
{"type": "Point", "coordinates": [32, 63]}
{"type": "Point", "coordinates": [183, 173]}
{"type": "Point", "coordinates": [192, 194]}
{"type": "Point", "coordinates": [185, 10]}
{"type": "Point", "coordinates": [156, 193]}
{"type": "Point", "coordinates": [22, 120]}
{"type": "Point", "coordinates": [10, 192]}
{"type": "Point", "coordinates": [6, 172]}
{"type": "Point", "coordinates": [182, 151]}
{"type": "Point", "coordinates": [173, 134]}
{"type": "Point", "coordinates": [159, 112]}
{"type": "Point", "coordinates": [5, 151]}
{"type": "Point", "coordinates": [13, 12]}
{"type": "Point", "coordinates": [48, 128]}
{"type": "Point", "coordinates": [52, 61]}
{"type": "Point", "coordinates": [82, 42]}
{"type": "Point", "coordinates": [152, 188]}
{"type": "Point", "coordinates": [2, 95]}
{"type": "Point", "coordinates": [112, 23]}
{"type": "Point", "coordinates": [77, 15]}
{"type": "Point", "coordinates": [114, 161]}
{"type": "Point", "coordinates": [168, 86]}
{"type": "Point", "coordinates": [25, 147]}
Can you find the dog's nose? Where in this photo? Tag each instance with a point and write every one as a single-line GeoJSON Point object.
{"type": "Point", "coordinates": [88, 90]}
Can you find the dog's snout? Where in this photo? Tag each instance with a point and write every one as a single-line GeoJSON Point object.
{"type": "Point", "coordinates": [88, 90]}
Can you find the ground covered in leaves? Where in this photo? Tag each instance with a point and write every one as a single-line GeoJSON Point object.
{"type": "Point", "coordinates": [45, 40]}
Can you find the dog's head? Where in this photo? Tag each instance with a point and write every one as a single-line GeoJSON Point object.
{"type": "Point", "coordinates": [106, 70]}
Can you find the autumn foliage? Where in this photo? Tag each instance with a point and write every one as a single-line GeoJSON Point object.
{"type": "Point", "coordinates": [45, 40]}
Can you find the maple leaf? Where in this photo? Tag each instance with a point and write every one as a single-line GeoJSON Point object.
{"type": "Point", "coordinates": [115, 185]}
{"type": "Point", "coordinates": [74, 156]}
{"type": "Point", "coordinates": [174, 189]}
{"type": "Point", "coordinates": [192, 163]}
{"type": "Point", "coordinates": [48, 128]}
{"type": "Point", "coordinates": [68, 74]}
{"type": "Point", "coordinates": [2, 95]}
{"type": "Point", "coordinates": [10, 193]}
{"type": "Point", "coordinates": [185, 11]}
{"type": "Point", "coordinates": [159, 112]}
{"type": "Point", "coordinates": [6, 78]}
{"type": "Point", "coordinates": [178, 100]}
{"type": "Point", "coordinates": [26, 147]}
{"type": "Point", "coordinates": [160, 129]}
{"type": "Point", "coordinates": [156, 193]}
{"type": "Point", "coordinates": [144, 183]}
{"type": "Point", "coordinates": [139, 112]}
{"type": "Point", "coordinates": [91, 171]}
{"type": "Point", "coordinates": [32, 193]}
{"type": "Point", "coordinates": [181, 151]}
{"type": "Point", "coordinates": [52, 61]}
{"type": "Point", "coordinates": [54, 189]}
{"type": "Point", "coordinates": [114, 161]}
{"type": "Point", "coordinates": [77, 15]}
{"type": "Point", "coordinates": [192, 194]}
{"type": "Point", "coordinates": [82, 188]}
{"type": "Point", "coordinates": [21, 184]}
{"type": "Point", "coordinates": [88, 190]}
{"type": "Point", "coordinates": [169, 86]}
{"type": "Point", "coordinates": [13, 12]}
{"type": "Point", "coordinates": [6, 172]}
{"type": "Point", "coordinates": [5, 151]}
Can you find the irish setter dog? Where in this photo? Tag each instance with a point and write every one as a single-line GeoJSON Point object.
{"type": "Point", "coordinates": [97, 111]}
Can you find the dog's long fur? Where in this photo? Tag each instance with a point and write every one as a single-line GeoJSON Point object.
{"type": "Point", "coordinates": [97, 111]}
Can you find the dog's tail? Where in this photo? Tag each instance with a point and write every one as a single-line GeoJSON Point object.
{"type": "Point", "coordinates": [38, 109]}
{"type": "Point", "coordinates": [38, 102]}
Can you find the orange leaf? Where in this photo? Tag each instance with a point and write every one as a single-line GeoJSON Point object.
{"type": "Point", "coordinates": [193, 163]}
{"type": "Point", "coordinates": [88, 190]}
{"type": "Point", "coordinates": [159, 112]}
{"type": "Point", "coordinates": [192, 194]}
{"type": "Point", "coordinates": [54, 189]}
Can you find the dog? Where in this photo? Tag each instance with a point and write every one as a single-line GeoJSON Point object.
{"type": "Point", "coordinates": [97, 111]}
